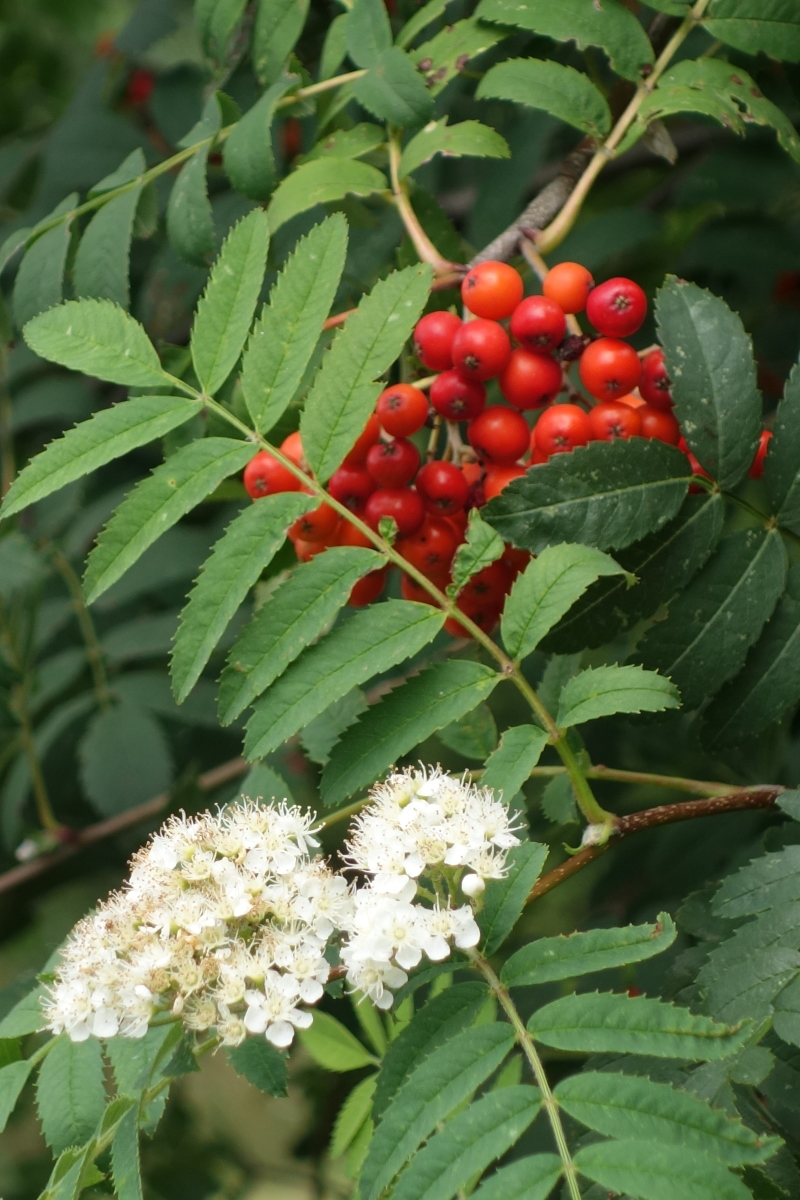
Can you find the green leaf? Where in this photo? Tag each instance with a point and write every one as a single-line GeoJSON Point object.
{"type": "Point", "coordinates": [603, 1022]}
{"type": "Point", "coordinates": [530, 1178]}
{"type": "Point", "coordinates": [107, 435]}
{"type": "Point", "coordinates": [352, 1115]}
{"type": "Point", "coordinates": [771, 881]}
{"type": "Point", "coordinates": [225, 311]}
{"type": "Point", "coordinates": [103, 258]}
{"type": "Point", "coordinates": [279, 24]}
{"type": "Point", "coordinates": [610, 26]}
{"type": "Point", "coordinates": [722, 91]}
{"type": "Point", "coordinates": [771, 26]}
{"type": "Point", "coordinates": [319, 182]}
{"type": "Point", "coordinates": [26, 1015]}
{"type": "Point", "coordinates": [439, 1020]}
{"type": "Point", "coordinates": [710, 627]}
{"type": "Point", "coordinates": [97, 338]}
{"type": "Point", "coordinates": [402, 719]}
{"type": "Point", "coordinates": [216, 21]}
{"type": "Point", "coordinates": [654, 1172]}
{"type": "Point", "coordinates": [321, 735]}
{"type": "Point", "coordinates": [447, 54]}
{"type": "Point", "coordinates": [248, 545]}
{"type": "Point", "coordinates": [558, 802]}
{"type": "Point", "coordinates": [348, 143]}
{"type": "Point", "coordinates": [262, 783]}
{"type": "Point", "coordinates": [468, 1144]}
{"type": "Point", "coordinates": [12, 1080]}
{"type": "Point", "coordinates": [296, 614]}
{"type": "Point", "coordinates": [767, 685]}
{"type": "Point", "coordinates": [125, 1163]}
{"type": "Point", "coordinates": [369, 32]}
{"type": "Point", "coordinates": [511, 763]}
{"type": "Point", "coordinates": [603, 691]}
{"type": "Point", "coordinates": [14, 242]}
{"type": "Point", "coordinates": [129, 169]}
{"type": "Point", "coordinates": [656, 1112]}
{"type": "Point", "coordinates": [70, 1095]}
{"type": "Point", "coordinates": [286, 334]}
{"type": "Point", "coordinates": [370, 641]}
{"type": "Point", "coordinates": [606, 494]}
{"type": "Point", "coordinates": [420, 20]}
{"type": "Point", "coordinates": [742, 977]}
{"type": "Point", "coordinates": [22, 566]}
{"type": "Point", "coordinates": [710, 360]}
{"type": "Point", "coordinates": [467, 139]}
{"type": "Point", "coordinates": [662, 564]}
{"type": "Point", "coordinates": [157, 503]}
{"type": "Point", "coordinates": [393, 90]}
{"type": "Point", "coordinates": [789, 802]}
{"type": "Point", "coordinates": [190, 220]}
{"type": "Point", "coordinates": [553, 958]}
{"type": "Point", "coordinates": [260, 1064]}
{"type": "Point", "coordinates": [332, 1045]}
{"type": "Point", "coordinates": [505, 899]}
{"type": "Point", "coordinates": [125, 759]}
{"type": "Point", "coordinates": [481, 547]}
{"type": "Point", "coordinates": [39, 284]}
{"type": "Point", "coordinates": [546, 590]}
{"type": "Point", "coordinates": [247, 154]}
{"type": "Point", "coordinates": [429, 1094]}
{"type": "Point", "coordinates": [474, 735]}
{"type": "Point", "coordinates": [561, 91]}
{"type": "Point", "coordinates": [344, 394]}
{"type": "Point", "coordinates": [782, 464]}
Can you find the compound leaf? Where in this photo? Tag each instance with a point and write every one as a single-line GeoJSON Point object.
{"type": "Point", "coordinates": [782, 464]}
{"type": "Point", "coordinates": [40, 279]}
{"type": "Point", "coordinates": [553, 958]}
{"type": "Point", "coordinates": [103, 258]}
{"type": "Point", "coordinates": [771, 26]}
{"type": "Point", "coordinates": [393, 90]}
{"type": "Point", "coordinates": [247, 154]}
{"type": "Point", "coordinates": [279, 24]}
{"type": "Point", "coordinates": [465, 139]}
{"type": "Point", "coordinates": [511, 763]}
{"type": "Point", "coordinates": [260, 1064]}
{"type": "Point", "coordinates": [448, 53]}
{"type": "Point", "coordinates": [190, 220]}
{"type": "Point", "coordinates": [333, 1046]}
{"type": "Point", "coordinates": [481, 547]}
{"type": "Point", "coordinates": [531, 1178]}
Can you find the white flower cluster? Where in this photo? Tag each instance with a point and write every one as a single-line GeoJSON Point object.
{"type": "Point", "coordinates": [224, 922]}
{"type": "Point", "coordinates": [419, 824]}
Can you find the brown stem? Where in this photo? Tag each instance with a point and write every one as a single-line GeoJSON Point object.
{"type": "Point", "coordinates": [422, 243]}
{"type": "Point", "coordinates": [651, 818]}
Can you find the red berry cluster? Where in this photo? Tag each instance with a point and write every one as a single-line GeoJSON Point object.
{"type": "Point", "coordinates": [384, 475]}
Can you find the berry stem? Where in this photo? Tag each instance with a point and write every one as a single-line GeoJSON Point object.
{"type": "Point", "coordinates": [422, 244]}
{"type": "Point", "coordinates": [554, 233]}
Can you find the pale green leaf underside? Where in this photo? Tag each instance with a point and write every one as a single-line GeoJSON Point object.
{"type": "Point", "coordinates": [98, 338]}
{"type": "Point", "coordinates": [333, 1046]}
{"type": "Point", "coordinates": [603, 691]}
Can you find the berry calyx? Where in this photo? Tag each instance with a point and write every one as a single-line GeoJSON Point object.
{"type": "Point", "coordinates": [402, 409]}
{"type": "Point", "coordinates": [617, 307]}
{"type": "Point", "coordinates": [433, 339]}
{"type": "Point", "coordinates": [265, 476]}
{"type": "Point", "coordinates": [443, 488]}
{"type": "Point", "coordinates": [481, 349]}
{"type": "Point", "coordinates": [538, 324]}
{"type": "Point", "coordinates": [612, 419]}
{"type": "Point", "coordinates": [562, 428]}
{"type": "Point", "coordinates": [530, 380]}
{"type": "Point", "coordinates": [500, 433]}
{"type": "Point", "coordinates": [655, 382]}
{"type": "Point", "coordinates": [609, 368]}
{"type": "Point", "coordinates": [456, 398]}
{"type": "Point", "coordinates": [402, 503]}
{"type": "Point", "coordinates": [492, 290]}
{"type": "Point", "coordinates": [393, 464]}
{"type": "Point", "coordinates": [569, 285]}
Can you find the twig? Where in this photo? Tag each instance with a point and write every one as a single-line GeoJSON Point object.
{"type": "Point", "coordinates": [422, 243]}
{"type": "Point", "coordinates": [651, 818]}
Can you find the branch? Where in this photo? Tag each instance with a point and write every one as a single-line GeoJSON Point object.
{"type": "Point", "coordinates": [650, 818]}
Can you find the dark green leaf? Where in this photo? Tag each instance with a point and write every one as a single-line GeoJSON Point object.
{"type": "Point", "coordinates": [261, 1065]}
{"type": "Point", "coordinates": [129, 169]}
{"type": "Point", "coordinates": [279, 24]}
{"type": "Point", "coordinates": [286, 334]}
{"type": "Point", "coordinates": [103, 258]}
{"type": "Point", "coordinates": [348, 143]}
{"type": "Point", "coordinates": [467, 139]}
{"type": "Point", "coordinates": [782, 464]}
{"type": "Point", "coordinates": [402, 719]}
{"type": "Point", "coordinates": [655, 1172]}
{"type": "Point", "coordinates": [468, 1144]}
{"type": "Point", "coordinates": [40, 279]}
{"type": "Point", "coordinates": [216, 21]}
{"type": "Point", "coordinates": [369, 32]}
{"type": "Point", "coordinates": [320, 181]}
{"type": "Point", "coordinates": [553, 958]}
{"type": "Point", "coordinates": [447, 54]}
{"type": "Point", "coordinates": [352, 1116]}
{"type": "Point", "coordinates": [526, 1179]}
{"type": "Point", "coordinates": [292, 618]}
{"type": "Point", "coordinates": [505, 899]}
{"type": "Point", "coordinates": [247, 154]}
{"type": "Point", "coordinates": [771, 881]}
{"type": "Point", "coordinates": [607, 494]}
{"type": "Point", "coordinates": [771, 26]}
{"type": "Point", "coordinates": [603, 691]}
{"type": "Point", "coordinates": [14, 242]}
{"type": "Point", "coordinates": [712, 624]}
{"type": "Point", "coordinates": [370, 641]}
{"type": "Point", "coordinates": [561, 91]}
{"type": "Point", "coordinates": [321, 735]}
{"type": "Point", "coordinates": [333, 1046]}
{"type": "Point", "coordinates": [344, 394]}
{"type": "Point", "coordinates": [429, 1094]}
{"type": "Point", "coordinates": [25, 1017]}
{"type": "Point", "coordinates": [155, 504]}
{"type": "Point", "coordinates": [558, 801]}
{"type": "Point", "coordinates": [710, 360]}
{"type": "Point", "coordinates": [98, 338]}
{"type": "Point", "coordinates": [481, 547]}
{"type": "Point", "coordinates": [474, 735]}
{"type": "Point", "coordinates": [125, 1164]}
{"type": "Point", "coordinates": [421, 19]}
{"type": "Point", "coordinates": [125, 760]}
{"type": "Point", "coordinates": [69, 1093]}
{"type": "Point", "coordinates": [742, 976]}
{"type": "Point", "coordinates": [13, 1078]}
{"type": "Point", "coordinates": [393, 90]}
{"type": "Point", "coordinates": [512, 762]}
{"type": "Point", "coordinates": [22, 566]}
{"type": "Point", "coordinates": [190, 221]}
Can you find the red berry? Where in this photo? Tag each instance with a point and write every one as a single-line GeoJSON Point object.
{"type": "Point", "coordinates": [403, 504]}
{"type": "Point", "coordinates": [351, 486]}
{"type": "Point", "coordinates": [632, 399]}
{"type": "Point", "coordinates": [458, 522]}
{"type": "Point", "coordinates": [617, 307]}
{"type": "Point", "coordinates": [292, 138]}
{"type": "Point", "coordinates": [655, 382]}
{"type": "Point", "coordinates": [569, 284]}
{"type": "Point", "coordinates": [561, 428]}
{"type": "Point", "coordinates": [516, 560]}
{"type": "Point", "coordinates": [497, 477]}
{"type": "Point", "coordinates": [411, 590]}
{"type": "Point", "coordinates": [658, 424]}
{"type": "Point", "coordinates": [319, 525]}
{"type": "Point", "coordinates": [349, 535]}
{"type": "Point", "coordinates": [530, 380]}
{"type": "Point", "coordinates": [492, 289]}
{"type": "Point", "coordinates": [481, 349]}
{"type": "Point", "coordinates": [612, 419]}
{"type": "Point", "coordinates": [537, 456]}
{"type": "Point", "coordinates": [368, 589]}
{"type": "Point", "coordinates": [292, 447]}
{"type": "Point", "coordinates": [696, 467]}
{"type": "Point", "coordinates": [305, 551]}
{"type": "Point", "coordinates": [538, 324]}
{"type": "Point", "coordinates": [358, 455]}
{"type": "Point", "coordinates": [482, 599]}
{"type": "Point", "coordinates": [500, 433]}
{"type": "Point", "coordinates": [393, 464]}
{"type": "Point", "coordinates": [609, 368]}
{"type": "Point", "coordinates": [443, 488]}
{"type": "Point", "coordinates": [431, 548]}
{"type": "Point", "coordinates": [140, 86]}
{"type": "Point", "coordinates": [457, 399]}
{"type": "Point", "coordinates": [757, 468]}
{"type": "Point", "coordinates": [264, 476]}
{"type": "Point", "coordinates": [433, 339]}
{"type": "Point", "coordinates": [402, 410]}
